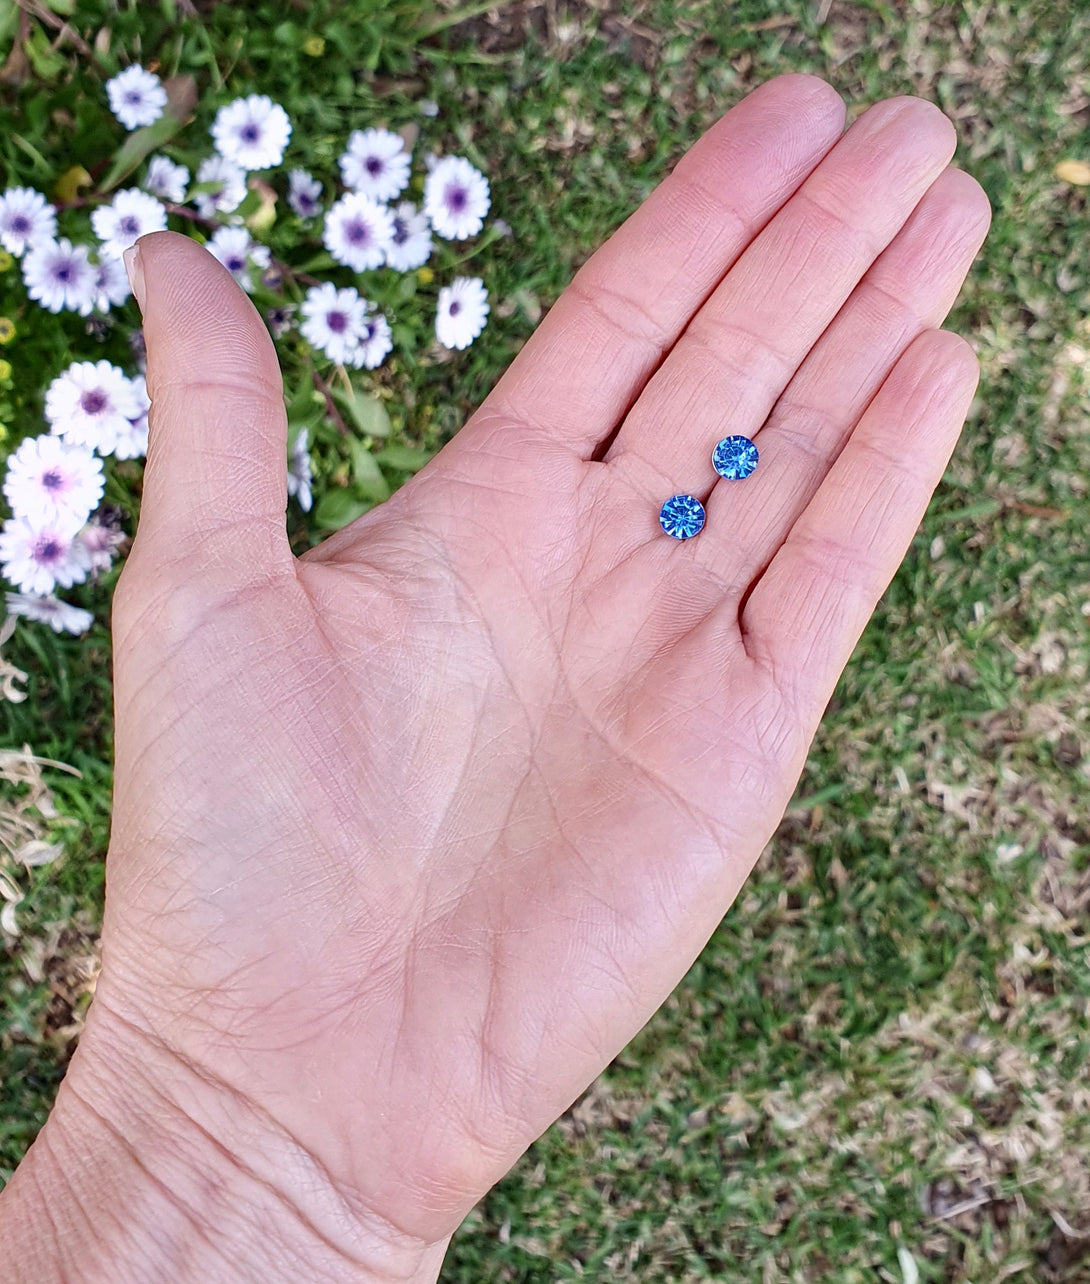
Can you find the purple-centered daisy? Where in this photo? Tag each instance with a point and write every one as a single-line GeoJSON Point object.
{"type": "Point", "coordinates": [49, 480]}
{"type": "Point", "coordinates": [358, 231]}
{"type": "Point", "coordinates": [456, 198]}
{"type": "Point", "coordinates": [26, 218]}
{"type": "Point", "coordinates": [91, 404]}
{"type": "Point", "coordinates": [236, 250]}
{"type": "Point", "coordinates": [252, 132]}
{"type": "Point", "coordinates": [36, 556]}
{"type": "Point", "coordinates": [410, 246]}
{"type": "Point", "coordinates": [303, 193]}
{"type": "Point", "coordinates": [376, 339]}
{"type": "Point", "coordinates": [101, 538]}
{"type": "Point", "coordinates": [111, 283]}
{"type": "Point", "coordinates": [137, 97]}
{"type": "Point", "coordinates": [333, 321]}
{"type": "Point", "coordinates": [376, 164]}
{"type": "Point", "coordinates": [463, 308]}
{"type": "Point", "coordinates": [130, 215]}
{"type": "Point", "coordinates": [166, 180]}
{"type": "Point", "coordinates": [227, 187]}
{"type": "Point", "coordinates": [59, 275]}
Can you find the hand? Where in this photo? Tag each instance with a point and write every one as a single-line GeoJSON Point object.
{"type": "Point", "coordinates": [414, 832]}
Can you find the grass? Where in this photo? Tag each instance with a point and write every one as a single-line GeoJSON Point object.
{"type": "Point", "coordinates": [876, 1066]}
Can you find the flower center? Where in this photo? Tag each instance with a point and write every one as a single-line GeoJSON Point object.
{"type": "Point", "coordinates": [455, 308]}
{"type": "Point", "coordinates": [52, 479]}
{"type": "Point", "coordinates": [47, 549]}
{"type": "Point", "coordinates": [373, 166]}
{"type": "Point", "coordinates": [401, 231]}
{"type": "Point", "coordinates": [337, 322]}
{"type": "Point", "coordinates": [235, 263]}
{"type": "Point", "coordinates": [93, 402]}
{"type": "Point", "coordinates": [63, 273]}
{"type": "Point", "coordinates": [134, 98]}
{"type": "Point", "coordinates": [20, 223]}
{"type": "Point", "coordinates": [129, 226]}
{"type": "Point", "coordinates": [456, 197]}
{"type": "Point", "coordinates": [357, 233]}
{"type": "Point", "coordinates": [250, 133]}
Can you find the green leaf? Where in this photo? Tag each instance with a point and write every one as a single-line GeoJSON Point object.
{"type": "Point", "coordinates": [45, 60]}
{"type": "Point", "coordinates": [407, 459]}
{"type": "Point", "coordinates": [367, 413]}
{"type": "Point", "coordinates": [366, 472]}
{"type": "Point", "coordinates": [338, 507]}
{"type": "Point", "coordinates": [302, 402]}
{"type": "Point", "coordinates": [181, 99]}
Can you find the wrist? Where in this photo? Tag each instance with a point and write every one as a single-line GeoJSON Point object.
{"type": "Point", "coordinates": [146, 1171]}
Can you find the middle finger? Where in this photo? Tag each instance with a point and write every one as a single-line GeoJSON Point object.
{"type": "Point", "coordinates": [744, 346]}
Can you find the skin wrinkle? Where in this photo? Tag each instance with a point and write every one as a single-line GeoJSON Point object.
{"type": "Point", "coordinates": [350, 1205]}
{"type": "Point", "coordinates": [164, 1189]}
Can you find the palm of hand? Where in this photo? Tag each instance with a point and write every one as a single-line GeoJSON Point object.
{"type": "Point", "coordinates": [414, 833]}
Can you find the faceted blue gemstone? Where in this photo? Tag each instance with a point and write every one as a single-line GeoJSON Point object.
{"type": "Point", "coordinates": [682, 516]}
{"type": "Point", "coordinates": [735, 458]}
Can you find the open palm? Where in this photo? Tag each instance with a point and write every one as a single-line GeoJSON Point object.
{"type": "Point", "coordinates": [413, 833]}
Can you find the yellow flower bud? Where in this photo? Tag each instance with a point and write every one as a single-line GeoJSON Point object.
{"type": "Point", "coordinates": [425, 275]}
{"type": "Point", "coordinates": [5, 260]}
{"type": "Point", "coordinates": [5, 370]}
{"type": "Point", "coordinates": [314, 45]}
{"type": "Point", "coordinates": [7, 330]}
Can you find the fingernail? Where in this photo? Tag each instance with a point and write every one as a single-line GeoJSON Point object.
{"type": "Point", "coordinates": [131, 258]}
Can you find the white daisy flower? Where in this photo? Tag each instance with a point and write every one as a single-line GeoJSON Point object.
{"type": "Point", "coordinates": [334, 321]}
{"type": "Point", "coordinates": [50, 480]}
{"type": "Point", "coordinates": [376, 164]}
{"type": "Point", "coordinates": [252, 132]}
{"type": "Point", "coordinates": [303, 193]}
{"type": "Point", "coordinates": [38, 555]}
{"type": "Point", "coordinates": [410, 245]}
{"type": "Point", "coordinates": [132, 441]}
{"type": "Point", "coordinates": [299, 473]}
{"type": "Point", "coordinates": [137, 97]}
{"type": "Point", "coordinates": [357, 232]}
{"type": "Point", "coordinates": [91, 404]}
{"type": "Point", "coordinates": [111, 283]}
{"type": "Point", "coordinates": [59, 275]}
{"type": "Point", "coordinates": [166, 180]}
{"type": "Point", "coordinates": [463, 307]}
{"type": "Point", "coordinates": [236, 250]}
{"type": "Point", "coordinates": [229, 190]}
{"type": "Point", "coordinates": [26, 218]}
{"type": "Point", "coordinates": [100, 539]}
{"type": "Point", "coordinates": [375, 340]}
{"type": "Point", "coordinates": [131, 214]}
{"type": "Point", "coordinates": [456, 198]}
{"type": "Point", "coordinates": [61, 617]}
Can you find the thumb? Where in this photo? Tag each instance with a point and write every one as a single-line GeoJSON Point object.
{"type": "Point", "coordinates": [215, 479]}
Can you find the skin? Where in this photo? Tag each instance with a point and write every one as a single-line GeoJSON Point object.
{"type": "Point", "coordinates": [413, 833]}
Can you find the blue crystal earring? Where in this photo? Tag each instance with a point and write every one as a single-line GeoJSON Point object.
{"type": "Point", "coordinates": [735, 458]}
{"type": "Point", "coordinates": [682, 516]}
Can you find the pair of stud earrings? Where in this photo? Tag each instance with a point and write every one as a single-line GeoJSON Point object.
{"type": "Point", "coordinates": [683, 516]}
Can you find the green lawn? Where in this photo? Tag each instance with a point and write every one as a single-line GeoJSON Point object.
{"type": "Point", "coordinates": [875, 1071]}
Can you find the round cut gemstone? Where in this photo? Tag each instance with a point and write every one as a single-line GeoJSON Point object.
{"type": "Point", "coordinates": [735, 458]}
{"type": "Point", "coordinates": [682, 516]}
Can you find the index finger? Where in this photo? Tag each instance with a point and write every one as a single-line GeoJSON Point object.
{"type": "Point", "coordinates": [588, 360]}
